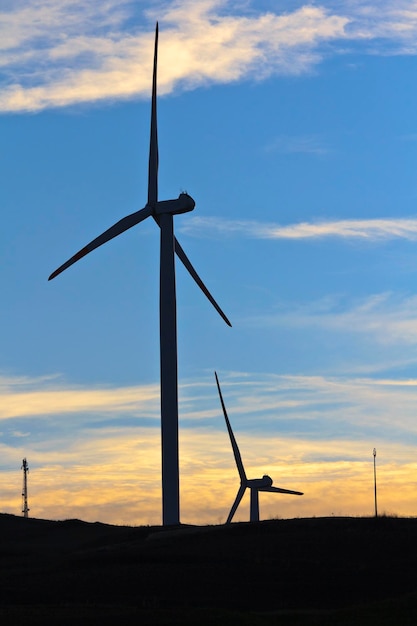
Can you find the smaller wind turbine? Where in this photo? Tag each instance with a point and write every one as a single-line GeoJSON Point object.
{"type": "Point", "coordinates": [255, 484]}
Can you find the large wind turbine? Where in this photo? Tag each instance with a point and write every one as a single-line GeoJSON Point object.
{"type": "Point", "coordinates": [163, 213]}
{"type": "Point", "coordinates": [254, 484]}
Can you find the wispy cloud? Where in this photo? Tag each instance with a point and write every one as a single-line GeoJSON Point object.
{"type": "Point", "coordinates": [277, 401]}
{"type": "Point", "coordinates": [389, 28]}
{"type": "Point", "coordinates": [307, 144]}
{"type": "Point", "coordinates": [325, 407]}
{"type": "Point", "coordinates": [367, 230]}
{"type": "Point", "coordinates": [61, 53]}
{"type": "Point", "coordinates": [24, 397]}
{"type": "Point", "coordinates": [56, 54]}
{"type": "Point", "coordinates": [314, 433]}
{"type": "Point", "coordinates": [410, 137]}
{"type": "Point", "coordinates": [115, 478]}
{"type": "Point", "coordinates": [385, 318]}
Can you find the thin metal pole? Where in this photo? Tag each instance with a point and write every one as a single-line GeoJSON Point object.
{"type": "Point", "coordinates": [376, 506]}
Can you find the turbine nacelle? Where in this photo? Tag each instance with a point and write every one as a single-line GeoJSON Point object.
{"type": "Point", "coordinates": [183, 204]}
{"type": "Point", "coordinates": [260, 483]}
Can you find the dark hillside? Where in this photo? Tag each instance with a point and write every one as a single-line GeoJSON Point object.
{"type": "Point", "coordinates": [304, 567]}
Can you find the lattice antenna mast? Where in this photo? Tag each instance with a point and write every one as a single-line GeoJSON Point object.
{"type": "Point", "coordinates": [25, 508]}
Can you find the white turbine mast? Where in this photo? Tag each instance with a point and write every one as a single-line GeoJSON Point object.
{"type": "Point", "coordinates": [254, 484]}
{"type": "Point", "coordinates": [162, 213]}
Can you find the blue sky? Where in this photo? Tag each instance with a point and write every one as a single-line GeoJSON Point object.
{"type": "Point", "coordinates": [293, 127]}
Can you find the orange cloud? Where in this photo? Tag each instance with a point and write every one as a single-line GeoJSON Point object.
{"type": "Point", "coordinates": [115, 478]}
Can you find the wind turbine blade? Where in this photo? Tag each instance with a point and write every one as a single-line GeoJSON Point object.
{"type": "Point", "coordinates": [236, 452]}
{"type": "Point", "coordinates": [187, 263]}
{"type": "Point", "coordinates": [153, 146]}
{"type": "Point", "coordinates": [279, 490]}
{"type": "Point", "coordinates": [113, 231]}
{"type": "Point", "coordinates": [236, 503]}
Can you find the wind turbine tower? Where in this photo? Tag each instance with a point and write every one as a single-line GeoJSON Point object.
{"type": "Point", "coordinates": [25, 508]}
